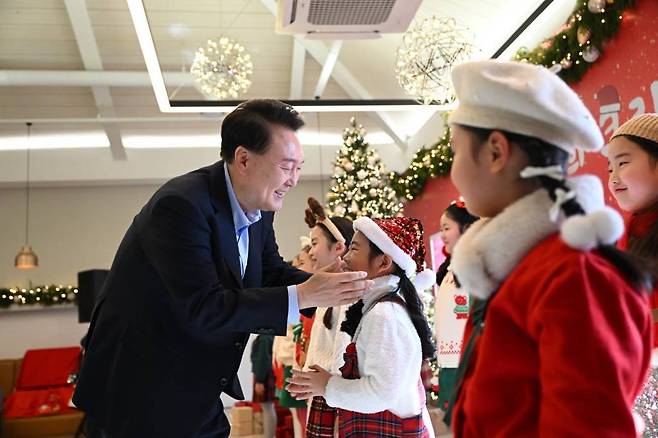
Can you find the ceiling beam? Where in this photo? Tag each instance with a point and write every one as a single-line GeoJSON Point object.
{"type": "Point", "coordinates": [297, 70]}
{"type": "Point", "coordinates": [346, 80]}
{"type": "Point", "coordinates": [91, 59]}
{"type": "Point", "coordinates": [327, 68]}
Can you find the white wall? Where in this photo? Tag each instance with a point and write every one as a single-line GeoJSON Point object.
{"type": "Point", "coordinates": [79, 228]}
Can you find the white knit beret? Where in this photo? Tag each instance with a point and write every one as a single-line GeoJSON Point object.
{"type": "Point", "coordinates": [524, 99]}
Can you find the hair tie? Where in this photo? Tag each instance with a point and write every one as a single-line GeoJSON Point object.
{"type": "Point", "coordinates": [556, 172]}
{"type": "Point", "coordinates": [561, 197]}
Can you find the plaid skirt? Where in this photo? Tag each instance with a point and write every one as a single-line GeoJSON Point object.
{"type": "Point", "coordinates": [321, 419]}
{"type": "Point", "coordinates": [380, 424]}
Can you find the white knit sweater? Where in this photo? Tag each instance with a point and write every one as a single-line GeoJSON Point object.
{"type": "Point", "coordinates": [283, 349]}
{"type": "Point", "coordinates": [326, 346]}
{"type": "Point", "coordinates": [389, 355]}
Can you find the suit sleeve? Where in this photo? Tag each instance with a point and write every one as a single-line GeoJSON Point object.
{"type": "Point", "coordinates": [276, 271]}
{"type": "Point", "coordinates": [593, 333]}
{"type": "Point", "coordinates": [175, 237]}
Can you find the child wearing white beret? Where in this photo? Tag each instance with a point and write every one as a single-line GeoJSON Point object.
{"type": "Point", "coordinates": [561, 336]}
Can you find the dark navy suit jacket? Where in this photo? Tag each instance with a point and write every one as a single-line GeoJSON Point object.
{"type": "Point", "coordinates": [171, 323]}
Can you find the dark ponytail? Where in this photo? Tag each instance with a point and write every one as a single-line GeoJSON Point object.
{"type": "Point", "coordinates": [415, 309]}
{"type": "Point", "coordinates": [543, 154]}
{"type": "Point", "coordinates": [411, 302]}
{"type": "Point", "coordinates": [443, 270]}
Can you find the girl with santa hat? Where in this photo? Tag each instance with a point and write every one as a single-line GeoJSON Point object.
{"type": "Point", "coordinates": [379, 390]}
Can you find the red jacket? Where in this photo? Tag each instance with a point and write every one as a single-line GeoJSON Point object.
{"type": "Point", "coordinates": [639, 225]}
{"type": "Point", "coordinates": [564, 352]}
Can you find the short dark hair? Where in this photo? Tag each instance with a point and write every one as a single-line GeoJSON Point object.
{"type": "Point", "coordinates": [345, 228]}
{"type": "Point", "coordinates": [460, 215]}
{"type": "Point", "coordinates": [249, 125]}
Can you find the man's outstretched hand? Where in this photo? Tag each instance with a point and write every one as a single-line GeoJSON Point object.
{"type": "Point", "coordinates": [330, 287]}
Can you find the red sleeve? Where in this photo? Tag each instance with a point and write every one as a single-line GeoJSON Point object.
{"type": "Point", "coordinates": [594, 351]}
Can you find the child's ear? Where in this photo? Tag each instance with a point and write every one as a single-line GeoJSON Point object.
{"type": "Point", "coordinates": [385, 265]}
{"type": "Point", "coordinates": [497, 148]}
{"type": "Point", "coordinates": [340, 247]}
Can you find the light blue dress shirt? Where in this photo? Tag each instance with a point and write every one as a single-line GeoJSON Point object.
{"type": "Point", "coordinates": [242, 221]}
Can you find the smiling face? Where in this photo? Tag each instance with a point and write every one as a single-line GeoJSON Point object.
{"type": "Point", "coordinates": [323, 250]}
{"type": "Point", "coordinates": [633, 175]}
{"type": "Point", "coordinates": [450, 232]}
{"type": "Point", "coordinates": [359, 258]}
{"type": "Point", "coordinates": [265, 179]}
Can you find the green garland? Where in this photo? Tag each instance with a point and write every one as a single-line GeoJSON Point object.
{"type": "Point", "coordinates": [570, 52]}
{"type": "Point", "coordinates": [431, 162]}
{"type": "Point", "coordinates": [53, 295]}
{"type": "Point", "coordinates": [579, 42]}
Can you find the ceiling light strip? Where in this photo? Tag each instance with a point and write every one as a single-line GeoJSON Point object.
{"type": "Point", "coordinates": [141, 24]}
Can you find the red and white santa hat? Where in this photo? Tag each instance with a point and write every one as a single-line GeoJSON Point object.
{"type": "Point", "coordinates": [401, 238]}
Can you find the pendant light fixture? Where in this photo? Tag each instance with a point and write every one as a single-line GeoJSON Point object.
{"type": "Point", "coordinates": [26, 258]}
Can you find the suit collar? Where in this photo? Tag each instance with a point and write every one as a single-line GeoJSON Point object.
{"type": "Point", "coordinates": [220, 201]}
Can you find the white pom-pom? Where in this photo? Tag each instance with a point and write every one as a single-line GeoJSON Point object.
{"type": "Point", "coordinates": [424, 280]}
{"type": "Point", "coordinates": [604, 226]}
{"type": "Point", "coordinates": [608, 225]}
{"type": "Point", "coordinates": [578, 232]}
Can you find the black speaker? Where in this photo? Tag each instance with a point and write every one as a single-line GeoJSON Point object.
{"type": "Point", "coordinates": [90, 284]}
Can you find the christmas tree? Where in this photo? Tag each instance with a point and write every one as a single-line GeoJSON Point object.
{"type": "Point", "coordinates": [360, 185]}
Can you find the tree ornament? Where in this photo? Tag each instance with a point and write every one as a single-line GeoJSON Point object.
{"type": "Point", "coordinates": [565, 63]}
{"type": "Point", "coordinates": [583, 34]}
{"type": "Point", "coordinates": [596, 6]}
{"type": "Point", "coordinates": [591, 54]}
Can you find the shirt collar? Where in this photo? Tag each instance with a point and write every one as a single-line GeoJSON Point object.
{"type": "Point", "coordinates": [241, 219]}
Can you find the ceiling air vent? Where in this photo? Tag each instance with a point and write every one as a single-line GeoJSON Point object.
{"type": "Point", "coordinates": [344, 19]}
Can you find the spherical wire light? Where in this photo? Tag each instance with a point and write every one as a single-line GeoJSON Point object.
{"type": "Point", "coordinates": [223, 68]}
{"type": "Point", "coordinates": [429, 50]}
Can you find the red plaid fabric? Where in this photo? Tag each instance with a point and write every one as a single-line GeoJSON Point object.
{"type": "Point", "coordinates": [321, 419]}
{"type": "Point", "coordinates": [380, 424]}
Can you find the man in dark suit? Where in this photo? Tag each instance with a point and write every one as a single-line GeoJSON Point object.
{"type": "Point", "coordinates": [197, 271]}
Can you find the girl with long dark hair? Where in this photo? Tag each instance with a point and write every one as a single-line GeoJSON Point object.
{"type": "Point", "coordinates": [379, 391]}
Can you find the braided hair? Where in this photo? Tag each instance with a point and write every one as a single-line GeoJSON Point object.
{"type": "Point", "coordinates": [543, 154]}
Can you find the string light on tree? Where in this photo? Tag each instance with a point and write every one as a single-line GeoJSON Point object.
{"type": "Point", "coordinates": [360, 185]}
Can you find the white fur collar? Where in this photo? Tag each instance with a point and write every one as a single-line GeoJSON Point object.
{"type": "Point", "coordinates": [491, 248]}
{"type": "Point", "coordinates": [382, 286]}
